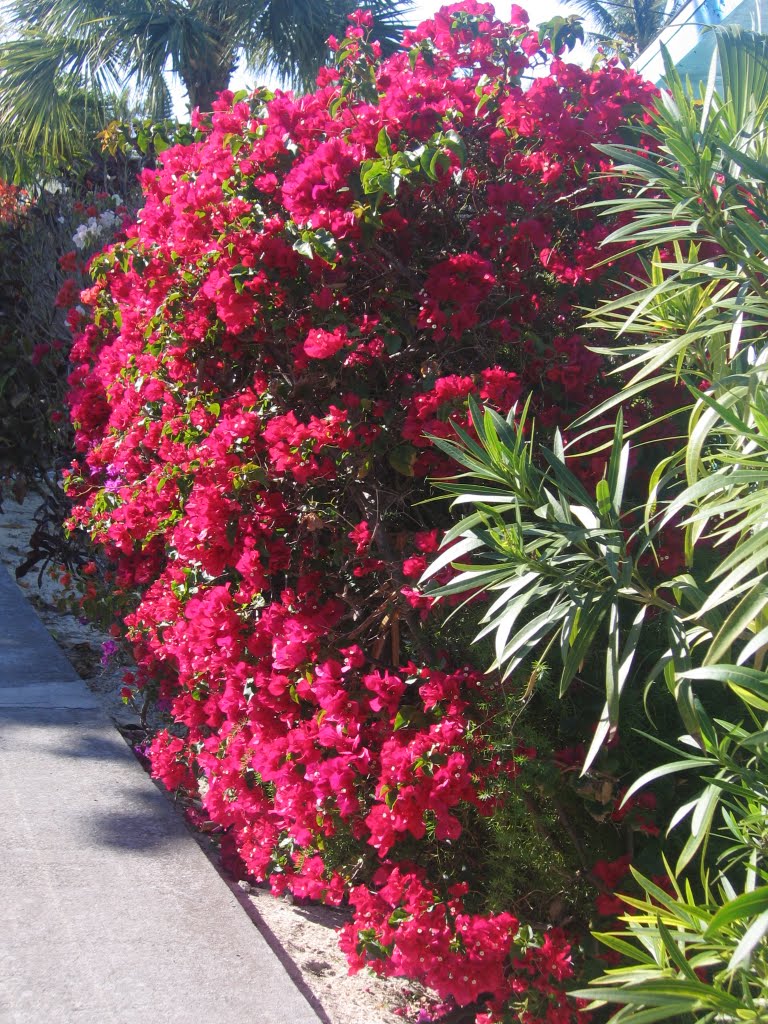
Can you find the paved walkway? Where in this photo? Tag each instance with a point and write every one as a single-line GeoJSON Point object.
{"type": "Point", "coordinates": [110, 913]}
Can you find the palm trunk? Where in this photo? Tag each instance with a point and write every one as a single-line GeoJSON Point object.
{"type": "Point", "coordinates": [204, 82]}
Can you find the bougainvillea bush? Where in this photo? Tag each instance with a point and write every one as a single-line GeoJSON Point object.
{"type": "Point", "coordinates": [312, 287]}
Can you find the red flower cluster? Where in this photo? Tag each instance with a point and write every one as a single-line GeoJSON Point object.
{"type": "Point", "coordinates": [312, 287]}
{"type": "Point", "coordinates": [13, 203]}
{"type": "Point", "coordinates": [407, 929]}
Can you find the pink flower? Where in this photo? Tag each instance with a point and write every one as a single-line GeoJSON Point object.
{"type": "Point", "coordinates": [321, 344]}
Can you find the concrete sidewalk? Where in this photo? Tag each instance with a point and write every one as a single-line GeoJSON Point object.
{"type": "Point", "coordinates": [111, 912]}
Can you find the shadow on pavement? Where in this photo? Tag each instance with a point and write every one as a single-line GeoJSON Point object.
{"type": "Point", "coordinates": [138, 828]}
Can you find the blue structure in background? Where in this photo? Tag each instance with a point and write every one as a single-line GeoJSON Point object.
{"type": "Point", "coordinates": [689, 40]}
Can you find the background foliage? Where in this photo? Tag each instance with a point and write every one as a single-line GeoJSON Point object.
{"type": "Point", "coordinates": [69, 68]}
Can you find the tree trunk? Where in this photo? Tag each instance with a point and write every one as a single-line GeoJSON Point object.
{"type": "Point", "coordinates": [204, 82]}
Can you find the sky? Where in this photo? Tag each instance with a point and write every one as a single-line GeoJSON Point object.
{"type": "Point", "coordinates": [538, 11]}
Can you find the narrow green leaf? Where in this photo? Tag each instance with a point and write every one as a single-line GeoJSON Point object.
{"type": "Point", "coordinates": [736, 625]}
{"type": "Point", "coordinates": [740, 909]}
{"type": "Point", "coordinates": [753, 935]}
{"type": "Point", "coordinates": [674, 952]}
{"type": "Point", "coordinates": [452, 554]}
{"type": "Point", "coordinates": [750, 679]}
{"type": "Point", "coordinates": [663, 770]}
{"type": "Point", "coordinates": [701, 823]}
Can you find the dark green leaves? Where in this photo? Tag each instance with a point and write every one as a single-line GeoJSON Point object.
{"type": "Point", "coordinates": [384, 177]}
{"type": "Point", "coordinates": [563, 33]}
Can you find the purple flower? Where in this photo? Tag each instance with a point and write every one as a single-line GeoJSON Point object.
{"type": "Point", "coordinates": [108, 650]}
{"type": "Point", "coordinates": [113, 481]}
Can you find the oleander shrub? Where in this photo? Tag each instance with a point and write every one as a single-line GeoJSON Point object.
{"type": "Point", "coordinates": [312, 287]}
{"type": "Point", "coordinates": [567, 566]}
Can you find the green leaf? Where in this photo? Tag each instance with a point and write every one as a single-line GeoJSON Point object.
{"type": "Point", "coordinates": [427, 155]}
{"type": "Point", "coordinates": [673, 950]}
{"type": "Point", "coordinates": [663, 770]}
{"type": "Point", "coordinates": [609, 717]}
{"type": "Point", "coordinates": [750, 679]}
{"type": "Point", "coordinates": [526, 639]}
{"type": "Point", "coordinates": [737, 624]}
{"type": "Point", "coordinates": [452, 554]}
{"type": "Point", "coordinates": [578, 634]}
{"type": "Point", "coordinates": [620, 945]}
{"type": "Point", "coordinates": [749, 698]}
{"type": "Point", "coordinates": [439, 163]}
{"type": "Point", "coordinates": [603, 495]}
{"type": "Point", "coordinates": [453, 141]}
{"type": "Point", "coordinates": [740, 909]}
{"type": "Point", "coordinates": [403, 458]}
{"type": "Point", "coordinates": [304, 248]}
{"type": "Point", "coordinates": [701, 823]}
{"type": "Point", "coordinates": [753, 935]}
{"type": "Point", "coordinates": [409, 717]}
{"type": "Point", "coordinates": [384, 145]}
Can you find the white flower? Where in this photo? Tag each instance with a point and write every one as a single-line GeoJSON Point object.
{"type": "Point", "coordinates": [93, 229]}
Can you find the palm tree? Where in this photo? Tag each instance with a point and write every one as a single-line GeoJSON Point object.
{"type": "Point", "coordinates": [630, 25]}
{"type": "Point", "coordinates": [66, 57]}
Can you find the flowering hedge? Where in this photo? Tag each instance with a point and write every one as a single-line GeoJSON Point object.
{"type": "Point", "coordinates": [313, 287]}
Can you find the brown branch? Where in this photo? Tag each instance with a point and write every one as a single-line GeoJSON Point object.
{"type": "Point", "coordinates": [546, 833]}
{"type": "Point", "coordinates": [383, 542]}
{"type": "Point", "coordinates": [567, 824]}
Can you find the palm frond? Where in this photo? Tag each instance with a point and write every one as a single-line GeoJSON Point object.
{"type": "Point", "coordinates": [637, 22]}
{"type": "Point", "coordinates": [45, 108]}
{"type": "Point", "coordinates": [287, 37]}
